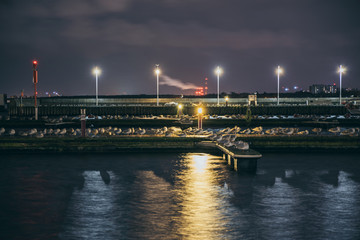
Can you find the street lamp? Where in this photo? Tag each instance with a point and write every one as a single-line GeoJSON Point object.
{"type": "Point", "coordinates": [97, 72]}
{"type": "Point", "coordinates": [180, 106]}
{"type": "Point", "coordinates": [200, 111]}
{"type": "Point", "coordinates": [226, 101]}
{"type": "Point", "coordinates": [279, 71]}
{"type": "Point", "coordinates": [35, 81]}
{"type": "Point", "coordinates": [341, 71]}
{"type": "Point", "coordinates": [218, 71]}
{"type": "Point", "coordinates": [157, 72]}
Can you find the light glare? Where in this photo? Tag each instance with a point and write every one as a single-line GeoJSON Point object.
{"type": "Point", "coordinates": [200, 110]}
{"type": "Point", "coordinates": [218, 70]}
{"type": "Point", "coordinates": [96, 71]}
{"type": "Point", "coordinates": [342, 69]}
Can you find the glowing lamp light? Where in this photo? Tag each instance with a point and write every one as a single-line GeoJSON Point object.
{"type": "Point", "coordinates": [180, 106]}
{"type": "Point", "coordinates": [226, 98]}
{"type": "Point", "coordinates": [200, 110]}
{"type": "Point", "coordinates": [157, 71]}
{"type": "Point", "coordinates": [342, 69]}
{"type": "Point", "coordinates": [279, 71]}
{"type": "Point", "coordinates": [96, 71]}
{"type": "Point", "coordinates": [35, 63]}
{"type": "Point", "coordinates": [218, 71]}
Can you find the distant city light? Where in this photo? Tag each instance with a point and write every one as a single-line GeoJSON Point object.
{"type": "Point", "coordinates": [296, 87]}
{"type": "Point", "coordinates": [286, 89]}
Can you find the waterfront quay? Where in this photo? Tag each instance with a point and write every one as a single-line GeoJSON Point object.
{"type": "Point", "coordinates": [238, 131]}
{"type": "Point", "coordinates": [112, 105]}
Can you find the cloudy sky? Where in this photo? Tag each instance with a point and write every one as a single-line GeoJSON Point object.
{"type": "Point", "coordinates": [188, 38]}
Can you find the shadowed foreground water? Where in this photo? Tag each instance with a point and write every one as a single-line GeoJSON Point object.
{"type": "Point", "coordinates": [178, 196]}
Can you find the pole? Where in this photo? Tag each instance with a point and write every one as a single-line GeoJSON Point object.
{"type": "Point", "coordinates": [97, 100]}
{"type": "Point", "coordinates": [200, 121]}
{"type": "Point", "coordinates": [157, 89]}
{"type": "Point", "coordinates": [340, 83]}
{"type": "Point", "coordinates": [218, 91]}
{"type": "Point", "coordinates": [278, 85]}
{"type": "Point", "coordinates": [35, 81]}
{"type": "Point", "coordinates": [36, 108]}
{"type": "Point", "coordinates": [83, 121]}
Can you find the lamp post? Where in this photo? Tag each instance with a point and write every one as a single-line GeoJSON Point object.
{"type": "Point", "coordinates": [180, 106]}
{"type": "Point", "coordinates": [35, 81]}
{"type": "Point", "coordinates": [341, 71]}
{"type": "Point", "coordinates": [279, 71]}
{"type": "Point", "coordinates": [226, 101]}
{"type": "Point", "coordinates": [97, 72]}
{"type": "Point", "coordinates": [157, 72]}
{"type": "Point", "coordinates": [200, 111]}
{"type": "Point", "coordinates": [218, 71]}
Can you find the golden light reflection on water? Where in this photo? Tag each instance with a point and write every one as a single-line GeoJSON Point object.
{"type": "Point", "coordinates": [201, 217]}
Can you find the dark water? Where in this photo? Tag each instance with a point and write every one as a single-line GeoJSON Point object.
{"type": "Point", "coordinates": [178, 196]}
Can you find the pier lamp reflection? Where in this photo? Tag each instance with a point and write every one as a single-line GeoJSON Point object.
{"type": "Point", "coordinates": [200, 215]}
{"type": "Point", "coordinates": [199, 163]}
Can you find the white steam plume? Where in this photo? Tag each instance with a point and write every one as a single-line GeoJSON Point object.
{"type": "Point", "coordinates": [166, 80]}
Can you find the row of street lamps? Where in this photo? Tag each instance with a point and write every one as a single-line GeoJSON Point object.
{"type": "Point", "coordinates": [279, 71]}
{"type": "Point", "coordinates": [218, 72]}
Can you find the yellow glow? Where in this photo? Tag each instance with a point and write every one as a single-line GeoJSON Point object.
{"type": "Point", "coordinates": [200, 163]}
{"type": "Point", "coordinates": [180, 106]}
{"type": "Point", "coordinates": [218, 71]}
{"type": "Point", "coordinates": [201, 212]}
{"type": "Point", "coordinates": [279, 70]}
{"type": "Point", "coordinates": [200, 110]}
{"type": "Point", "coordinates": [157, 69]}
{"type": "Point", "coordinates": [96, 71]}
{"type": "Point", "coordinates": [226, 98]}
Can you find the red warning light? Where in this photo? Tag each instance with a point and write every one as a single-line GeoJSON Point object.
{"type": "Point", "coordinates": [35, 63]}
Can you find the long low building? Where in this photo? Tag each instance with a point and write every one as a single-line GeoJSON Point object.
{"type": "Point", "coordinates": [149, 100]}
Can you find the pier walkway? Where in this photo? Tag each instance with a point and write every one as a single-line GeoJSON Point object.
{"type": "Point", "coordinates": [236, 158]}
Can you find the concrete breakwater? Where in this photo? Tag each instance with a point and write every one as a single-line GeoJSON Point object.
{"type": "Point", "coordinates": [136, 143]}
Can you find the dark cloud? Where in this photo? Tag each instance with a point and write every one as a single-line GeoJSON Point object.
{"type": "Point", "coordinates": [187, 37]}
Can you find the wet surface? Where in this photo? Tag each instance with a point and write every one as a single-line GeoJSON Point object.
{"type": "Point", "coordinates": [178, 196]}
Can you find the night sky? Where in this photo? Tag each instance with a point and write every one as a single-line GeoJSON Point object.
{"type": "Point", "coordinates": [188, 38]}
